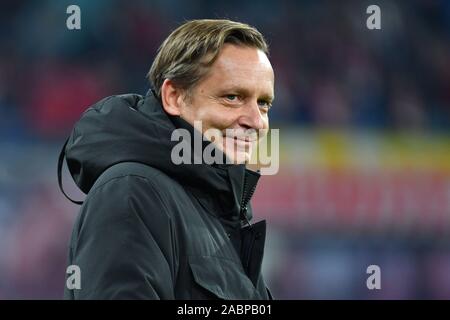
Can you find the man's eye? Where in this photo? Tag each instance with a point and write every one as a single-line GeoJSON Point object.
{"type": "Point", "coordinates": [231, 97]}
{"type": "Point", "coordinates": [264, 104]}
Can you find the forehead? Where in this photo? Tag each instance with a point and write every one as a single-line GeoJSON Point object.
{"type": "Point", "coordinates": [244, 67]}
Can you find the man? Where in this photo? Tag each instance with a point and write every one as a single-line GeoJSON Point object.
{"type": "Point", "coordinates": [151, 228]}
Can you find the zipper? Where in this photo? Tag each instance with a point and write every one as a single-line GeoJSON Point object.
{"type": "Point", "coordinates": [246, 196]}
{"type": "Point", "coordinates": [247, 193]}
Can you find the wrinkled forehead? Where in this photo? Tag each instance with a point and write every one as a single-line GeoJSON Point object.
{"type": "Point", "coordinates": [242, 66]}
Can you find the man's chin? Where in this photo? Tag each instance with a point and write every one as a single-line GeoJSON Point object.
{"type": "Point", "coordinates": [239, 157]}
{"type": "Point", "coordinates": [238, 151]}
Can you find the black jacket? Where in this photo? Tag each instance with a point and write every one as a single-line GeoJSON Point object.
{"type": "Point", "coordinates": [150, 229]}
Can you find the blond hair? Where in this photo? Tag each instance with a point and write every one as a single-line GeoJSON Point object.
{"type": "Point", "coordinates": [189, 51]}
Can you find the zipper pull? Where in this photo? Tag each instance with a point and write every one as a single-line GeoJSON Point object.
{"type": "Point", "coordinates": [244, 214]}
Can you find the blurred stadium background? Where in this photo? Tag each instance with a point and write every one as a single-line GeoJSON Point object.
{"type": "Point", "coordinates": [364, 119]}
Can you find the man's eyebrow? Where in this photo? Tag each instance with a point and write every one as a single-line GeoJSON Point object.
{"type": "Point", "coordinates": [267, 97]}
{"type": "Point", "coordinates": [245, 92]}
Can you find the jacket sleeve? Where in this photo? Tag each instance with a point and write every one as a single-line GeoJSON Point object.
{"type": "Point", "coordinates": [124, 243]}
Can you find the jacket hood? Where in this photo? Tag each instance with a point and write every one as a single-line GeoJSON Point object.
{"type": "Point", "coordinates": [135, 128]}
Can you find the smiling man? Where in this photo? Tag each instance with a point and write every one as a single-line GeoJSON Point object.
{"type": "Point", "coordinates": [150, 228]}
{"type": "Point", "coordinates": [234, 97]}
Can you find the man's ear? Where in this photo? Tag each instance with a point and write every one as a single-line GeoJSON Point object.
{"type": "Point", "coordinates": [170, 97]}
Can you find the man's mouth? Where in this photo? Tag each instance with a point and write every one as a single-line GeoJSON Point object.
{"type": "Point", "coordinates": [238, 144]}
{"type": "Point", "coordinates": [241, 139]}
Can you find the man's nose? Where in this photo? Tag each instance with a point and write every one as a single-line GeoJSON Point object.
{"type": "Point", "coordinates": [252, 117]}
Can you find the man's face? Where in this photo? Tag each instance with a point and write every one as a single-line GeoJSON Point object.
{"type": "Point", "coordinates": [234, 99]}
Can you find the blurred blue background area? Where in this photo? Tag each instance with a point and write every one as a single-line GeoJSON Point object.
{"type": "Point", "coordinates": [364, 119]}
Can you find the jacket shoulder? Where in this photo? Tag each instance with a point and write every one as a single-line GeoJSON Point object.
{"type": "Point", "coordinates": [115, 192]}
{"type": "Point", "coordinates": [138, 180]}
{"type": "Point", "coordinates": [128, 169]}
